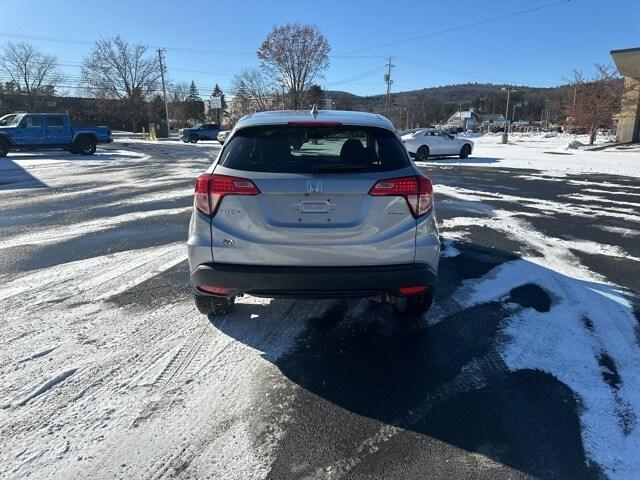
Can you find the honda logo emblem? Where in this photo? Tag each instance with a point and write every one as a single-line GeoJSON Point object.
{"type": "Point", "coordinates": [314, 186]}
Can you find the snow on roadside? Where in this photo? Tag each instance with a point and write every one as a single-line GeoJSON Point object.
{"type": "Point", "coordinates": [589, 329]}
{"type": "Point", "coordinates": [550, 155]}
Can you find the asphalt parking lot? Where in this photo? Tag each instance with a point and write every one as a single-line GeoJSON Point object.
{"type": "Point", "coordinates": [526, 367]}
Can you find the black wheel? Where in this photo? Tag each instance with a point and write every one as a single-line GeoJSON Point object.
{"type": "Point", "coordinates": [413, 307]}
{"type": "Point", "coordinates": [422, 154]}
{"type": "Point", "coordinates": [194, 138]}
{"type": "Point", "coordinates": [213, 305]}
{"type": "Point", "coordinates": [466, 151]}
{"type": "Point", "coordinates": [84, 146]}
{"type": "Point", "coordinates": [4, 148]}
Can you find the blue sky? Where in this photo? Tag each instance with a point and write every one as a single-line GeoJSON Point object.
{"type": "Point", "coordinates": [539, 48]}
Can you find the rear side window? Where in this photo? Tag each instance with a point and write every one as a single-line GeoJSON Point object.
{"type": "Point", "coordinates": [314, 149]}
{"type": "Point", "coordinates": [32, 122]}
{"type": "Point", "coordinates": [55, 122]}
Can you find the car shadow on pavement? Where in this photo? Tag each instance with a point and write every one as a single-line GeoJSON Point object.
{"type": "Point", "coordinates": [439, 392]}
{"type": "Point", "coordinates": [15, 177]}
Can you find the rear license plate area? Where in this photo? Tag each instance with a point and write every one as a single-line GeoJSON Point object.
{"type": "Point", "coordinates": [314, 207]}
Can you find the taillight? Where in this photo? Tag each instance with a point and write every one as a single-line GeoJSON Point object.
{"type": "Point", "coordinates": [211, 189]}
{"type": "Point", "coordinates": [417, 191]}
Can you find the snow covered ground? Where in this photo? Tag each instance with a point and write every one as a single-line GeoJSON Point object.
{"type": "Point", "coordinates": [107, 370]}
{"type": "Point", "coordinates": [552, 154]}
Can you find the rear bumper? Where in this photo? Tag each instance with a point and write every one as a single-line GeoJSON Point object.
{"type": "Point", "coordinates": [313, 282]}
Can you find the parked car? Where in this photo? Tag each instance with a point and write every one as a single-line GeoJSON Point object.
{"type": "Point", "coordinates": [425, 143]}
{"type": "Point", "coordinates": [222, 136]}
{"type": "Point", "coordinates": [202, 131]}
{"type": "Point", "coordinates": [33, 131]}
{"type": "Point", "coordinates": [348, 214]}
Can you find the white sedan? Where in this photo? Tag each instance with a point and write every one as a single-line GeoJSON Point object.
{"type": "Point", "coordinates": [434, 143]}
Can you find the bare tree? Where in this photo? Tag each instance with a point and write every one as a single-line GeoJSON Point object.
{"type": "Point", "coordinates": [596, 99]}
{"type": "Point", "coordinates": [31, 71]}
{"type": "Point", "coordinates": [119, 70]}
{"type": "Point", "coordinates": [179, 91]}
{"type": "Point", "coordinates": [296, 55]}
{"type": "Point", "coordinates": [252, 92]}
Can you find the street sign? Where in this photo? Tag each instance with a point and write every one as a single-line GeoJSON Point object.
{"type": "Point", "coordinates": [215, 102]}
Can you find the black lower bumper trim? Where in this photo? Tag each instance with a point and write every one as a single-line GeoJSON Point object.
{"type": "Point", "coordinates": [313, 282]}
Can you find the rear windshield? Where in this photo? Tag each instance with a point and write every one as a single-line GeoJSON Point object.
{"type": "Point", "coordinates": [314, 149]}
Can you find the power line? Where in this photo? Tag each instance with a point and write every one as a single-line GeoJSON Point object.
{"type": "Point", "coordinates": [198, 51]}
{"type": "Point", "coordinates": [455, 29]}
{"type": "Point", "coordinates": [356, 77]}
{"type": "Point", "coordinates": [468, 74]}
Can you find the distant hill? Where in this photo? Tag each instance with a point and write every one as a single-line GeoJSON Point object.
{"type": "Point", "coordinates": [435, 104]}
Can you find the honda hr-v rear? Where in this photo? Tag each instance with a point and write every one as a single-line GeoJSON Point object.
{"type": "Point", "coordinates": [314, 205]}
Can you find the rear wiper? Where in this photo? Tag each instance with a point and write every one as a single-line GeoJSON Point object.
{"type": "Point", "coordinates": [338, 167]}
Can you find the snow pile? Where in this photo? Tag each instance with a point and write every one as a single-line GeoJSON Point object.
{"type": "Point", "coordinates": [574, 145]}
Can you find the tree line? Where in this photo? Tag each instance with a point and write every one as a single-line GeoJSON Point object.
{"type": "Point", "coordinates": [291, 57]}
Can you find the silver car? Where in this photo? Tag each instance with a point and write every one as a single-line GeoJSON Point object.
{"type": "Point", "coordinates": [347, 214]}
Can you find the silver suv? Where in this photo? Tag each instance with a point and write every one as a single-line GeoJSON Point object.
{"type": "Point", "coordinates": [316, 205]}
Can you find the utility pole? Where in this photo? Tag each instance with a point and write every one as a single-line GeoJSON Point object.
{"type": "Point", "coordinates": [387, 78]}
{"type": "Point", "coordinates": [546, 112]}
{"type": "Point", "coordinates": [505, 134]}
{"type": "Point", "coordinates": [164, 89]}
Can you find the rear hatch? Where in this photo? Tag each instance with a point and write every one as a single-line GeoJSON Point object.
{"type": "Point", "coordinates": [311, 201]}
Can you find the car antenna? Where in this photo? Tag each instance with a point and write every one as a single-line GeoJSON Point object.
{"type": "Point", "coordinates": [314, 111]}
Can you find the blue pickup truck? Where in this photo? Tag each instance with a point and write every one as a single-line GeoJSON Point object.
{"type": "Point", "coordinates": [34, 131]}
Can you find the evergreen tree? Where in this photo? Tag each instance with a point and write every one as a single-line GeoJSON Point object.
{"type": "Point", "coordinates": [193, 95]}
{"type": "Point", "coordinates": [193, 105]}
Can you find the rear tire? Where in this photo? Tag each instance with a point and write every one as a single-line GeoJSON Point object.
{"type": "Point", "coordinates": [466, 151]}
{"type": "Point", "coordinates": [194, 138]}
{"type": "Point", "coordinates": [84, 146]}
{"type": "Point", "coordinates": [413, 307]}
{"type": "Point", "coordinates": [4, 148]}
{"type": "Point", "coordinates": [422, 154]}
{"type": "Point", "coordinates": [213, 305]}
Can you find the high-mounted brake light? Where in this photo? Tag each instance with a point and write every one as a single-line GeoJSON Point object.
{"type": "Point", "coordinates": [417, 191]}
{"type": "Point", "coordinates": [211, 189]}
{"type": "Point", "coordinates": [314, 124]}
